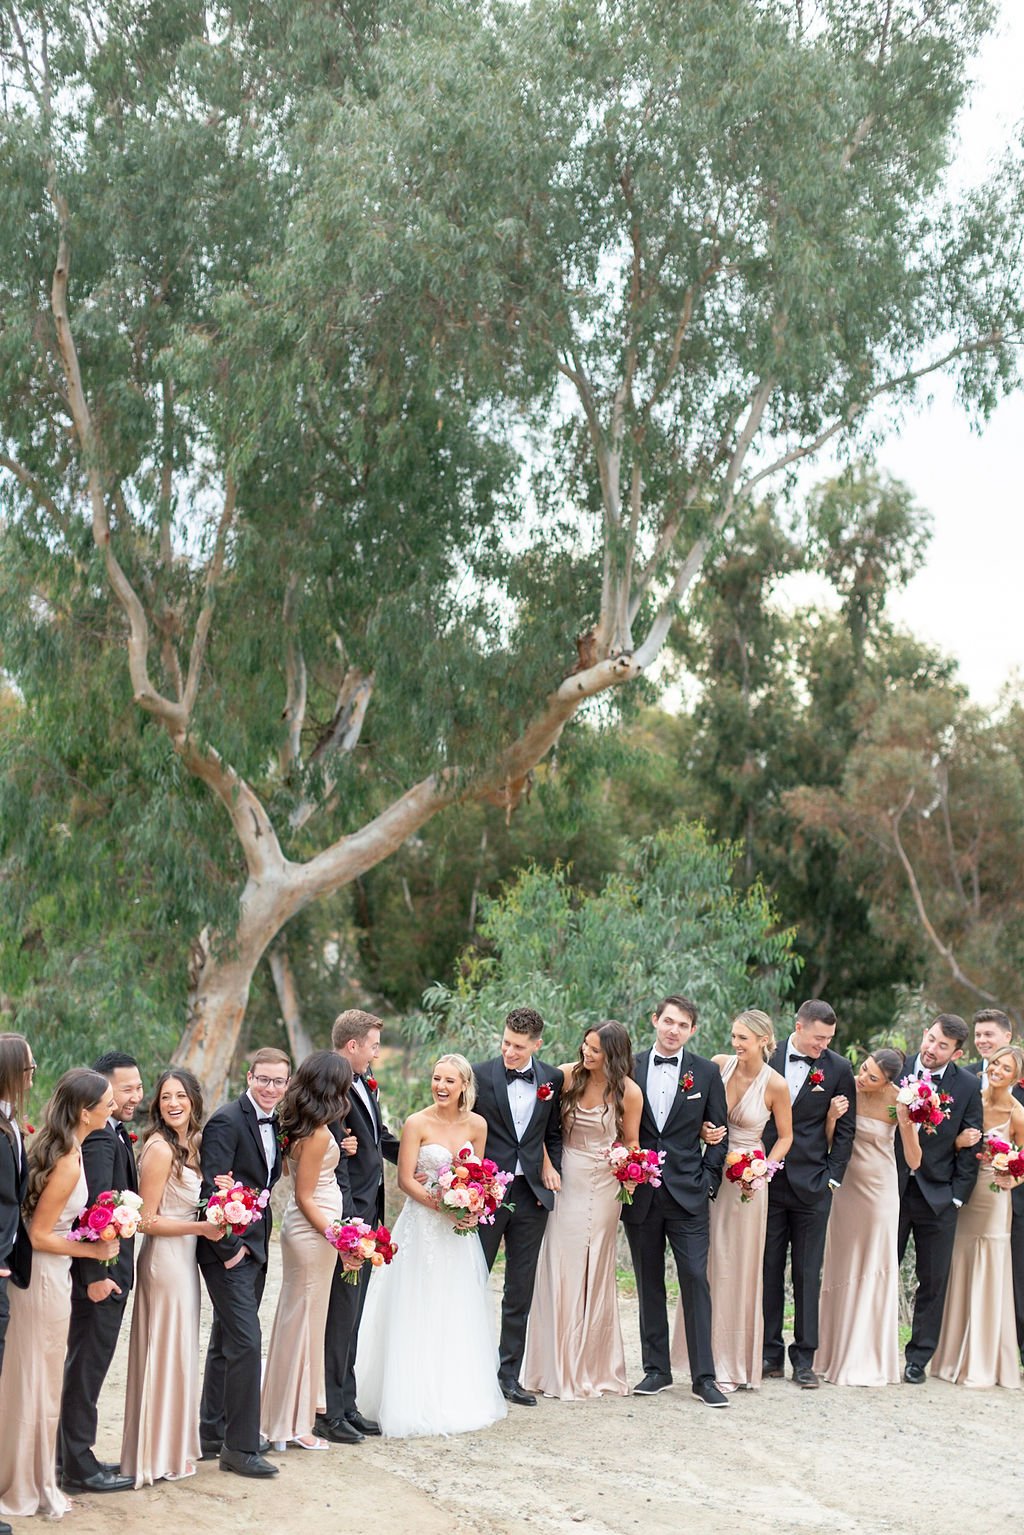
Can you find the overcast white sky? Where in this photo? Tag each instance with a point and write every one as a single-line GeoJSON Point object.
{"type": "Point", "coordinates": [969, 599]}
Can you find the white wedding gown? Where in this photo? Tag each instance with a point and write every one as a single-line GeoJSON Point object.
{"type": "Point", "coordinates": [427, 1356]}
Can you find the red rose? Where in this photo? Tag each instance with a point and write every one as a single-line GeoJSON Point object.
{"type": "Point", "coordinates": [132, 1136]}
{"type": "Point", "coordinates": [817, 1077]}
{"type": "Point", "coordinates": [687, 1082]}
{"type": "Point", "coordinates": [544, 1091]}
{"type": "Point", "coordinates": [28, 1129]}
{"type": "Point", "coordinates": [371, 1083]}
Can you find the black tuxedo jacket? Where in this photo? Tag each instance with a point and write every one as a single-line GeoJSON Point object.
{"type": "Point", "coordinates": [690, 1177]}
{"type": "Point", "coordinates": [945, 1173]}
{"type": "Point", "coordinates": [544, 1129]}
{"type": "Point", "coordinates": [810, 1165]}
{"type": "Point", "coordinates": [108, 1163]}
{"type": "Point", "coordinates": [15, 1249]}
{"type": "Point", "coordinates": [1017, 1194]}
{"type": "Point", "coordinates": [361, 1178]}
{"type": "Point", "coordinates": [232, 1143]}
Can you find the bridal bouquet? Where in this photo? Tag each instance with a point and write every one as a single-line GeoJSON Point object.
{"type": "Point", "coordinates": [1002, 1157]}
{"type": "Point", "coordinates": [111, 1216]}
{"type": "Point", "coordinates": [632, 1167]}
{"type": "Point", "coordinates": [356, 1239]}
{"type": "Point", "coordinates": [470, 1188]}
{"type": "Point", "coordinates": [236, 1207]}
{"type": "Point", "coordinates": [925, 1104]}
{"type": "Point", "coordinates": [752, 1170]}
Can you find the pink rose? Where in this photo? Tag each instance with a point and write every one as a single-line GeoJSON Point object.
{"type": "Point", "coordinates": [634, 1172]}
{"type": "Point", "coordinates": [98, 1218]}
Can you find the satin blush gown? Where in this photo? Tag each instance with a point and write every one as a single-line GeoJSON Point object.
{"type": "Point", "coordinates": [574, 1345]}
{"type": "Point", "coordinates": [859, 1309]}
{"type": "Point", "coordinates": [161, 1411]}
{"type": "Point", "coordinates": [736, 1257]}
{"type": "Point", "coordinates": [33, 1375]}
{"type": "Point", "coordinates": [293, 1382]}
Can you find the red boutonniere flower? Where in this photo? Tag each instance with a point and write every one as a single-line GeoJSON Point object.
{"type": "Point", "coordinates": [817, 1077]}
{"type": "Point", "coordinates": [132, 1136]}
{"type": "Point", "coordinates": [28, 1129]}
{"type": "Point", "coordinates": [282, 1139]}
{"type": "Point", "coordinates": [371, 1083]}
{"type": "Point", "coordinates": [544, 1091]}
{"type": "Point", "coordinates": [686, 1081]}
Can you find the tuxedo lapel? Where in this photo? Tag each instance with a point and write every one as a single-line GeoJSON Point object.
{"type": "Point", "coordinates": [642, 1061]}
{"type": "Point", "coordinates": [541, 1074]}
{"type": "Point", "coordinates": [249, 1115]}
{"type": "Point", "coordinates": [679, 1099]}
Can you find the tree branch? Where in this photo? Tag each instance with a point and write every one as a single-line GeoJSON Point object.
{"type": "Point", "coordinates": [214, 571]}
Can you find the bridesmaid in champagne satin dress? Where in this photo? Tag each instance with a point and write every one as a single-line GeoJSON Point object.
{"type": "Point", "coordinates": [293, 1381]}
{"type": "Point", "coordinates": [859, 1311]}
{"type": "Point", "coordinates": [161, 1413]}
{"type": "Point", "coordinates": [754, 1091]}
{"type": "Point", "coordinates": [574, 1344]}
{"type": "Point", "coordinates": [33, 1373]}
{"type": "Point", "coordinates": [978, 1341]}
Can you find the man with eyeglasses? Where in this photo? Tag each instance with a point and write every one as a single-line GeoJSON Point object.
{"type": "Point", "coordinates": [241, 1139]}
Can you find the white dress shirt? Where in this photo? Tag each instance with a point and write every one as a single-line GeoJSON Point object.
{"type": "Point", "coordinates": [662, 1085]}
{"type": "Point", "coordinates": [360, 1087]}
{"type": "Point", "coordinates": [797, 1072]}
{"type": "Point", "coordinates": [268, 1135]}
{"type": "Point", "coordinates": [522, 1100]}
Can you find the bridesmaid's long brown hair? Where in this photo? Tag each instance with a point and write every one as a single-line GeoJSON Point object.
{"type": "Point", "coordinates": [77, 1089]}
{"type": "Point", "coordinates": [618, 1065]}
{"type": "Point", "coordinates": [15, 1059]}
{"type": "Point", "coordinates": [189, 1153]}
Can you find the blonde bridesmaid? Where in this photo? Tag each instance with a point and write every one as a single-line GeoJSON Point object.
{"type": "Point", "coordinates": [574, 1345]}
{"type": "Point", "coordinates": [859, 1309]}
{"type": "Point", "coordinates": [978, 1341]}
{"type": "Point", "coordinates": [293, 1383]}
{"type": "Point", "coordinates": [754, 1093]}
{"type": "Point", "coordinates": [33, 1372]}
{"type": "Point", "coordinates": [161, 1416]}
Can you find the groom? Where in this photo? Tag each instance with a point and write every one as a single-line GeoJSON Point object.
{"type": "Point", "coordinates": [518, 1096]}
{"type": "Point", "coordinates": [681, 1091]}
{"type": "Point", "coordinates": [931, 1195]}
{"type": "Point", "coordinates": [800, 1194]}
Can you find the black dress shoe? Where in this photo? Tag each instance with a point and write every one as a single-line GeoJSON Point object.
{"type": "Point", "coordinates": [246, 1465]}
{"type": "Point", "coordinates": [100, 1481]}
{"type": "Point", "coordinates": [914, 1374]}
{"type": "Point", "coordinates": [804, 1376]}
{"type": "Point", "coordinates": [337, 1430]}
{"type": "Point", "coordinates": [772, 1371]}
{"type": "Point", "coordinates": [112, 1466]}
{"type": "Point", "coordinates": [652, 1383]}
{"type": "Point", "coordinates": [5, 1529]}
{"type": "Point", "coordinates": [512, 1391]}
{"type": "Point", "coordinates": [362, 1425]}
{"type": "Point", "coordinates": [707, 1392]}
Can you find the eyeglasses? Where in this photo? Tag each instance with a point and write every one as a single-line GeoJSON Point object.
{"type": "Point", "coordinates": [31, 1066]}
{"type": "Point", "coordinates": [265, 1082]}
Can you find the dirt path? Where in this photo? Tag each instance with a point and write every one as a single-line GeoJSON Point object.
{"type": "Point", "coordinates": [779, 1460]}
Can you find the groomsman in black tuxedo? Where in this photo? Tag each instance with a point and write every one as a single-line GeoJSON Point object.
{"type": "Point", "coordinates": [99, 1292]}
{"type": "Point", "coordinates": [365, 1141]}
{"type": "Point", "coordinates": [800, 1196]}
{"type": "Point", "coordinates": [518, 1096]}
{"type": "Point", "coordinates": [931, 1195]}
{"type": "Point", "coordinates": [681, 1091]}
{"type": "Point", "coordinates": [16, 1068]}
{"type": "Point", "coordinates": [992, 1030]}
{"type": "Point", "coordinates": [240, 1138]}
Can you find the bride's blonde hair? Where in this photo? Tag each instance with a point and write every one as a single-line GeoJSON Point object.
{"type": "Point", "coordinates": [467, 1097]}
{"type": "Point", "coordinates": [760, 1025]}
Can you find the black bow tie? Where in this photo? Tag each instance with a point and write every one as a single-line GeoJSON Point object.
{"type": "Point", "coordinates": [936, 1076]}
{"type": "Point", "coordinates": [807, 1060]}
{"type": "Point", "coordinates": [518, 1076]}
{"type": "Point", "coordinates": [269, 1120]}
{"type": "Point", "coordinates": [666, 1060]}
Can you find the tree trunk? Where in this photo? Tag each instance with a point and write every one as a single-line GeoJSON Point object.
{"type": "Point", "coordinates": [299, 1042]}
{"type": "Point", "coordinates": [216, 1010]}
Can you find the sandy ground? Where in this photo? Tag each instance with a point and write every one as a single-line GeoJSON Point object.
{"type": "Point", "coordinates": [842, 1461]}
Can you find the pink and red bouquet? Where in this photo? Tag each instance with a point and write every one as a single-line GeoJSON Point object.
{"type": "Point", "coordinates": [926, 1105]}
{"type": "Point", "coordinates": [236, 1208]}
{"type": "Point", "coordinates": [471, 1189]}
{"type": "Point", "coordinates": [752, 1170]}
{"type": "Point", "coordinates": [633, 1167]}
{"type": "Point", "coordinates": [1003, 1157]}
{"type": "Point", "coordinates": [355, 1239]}
{"type": "Point", "coordinates": [110, 1217]}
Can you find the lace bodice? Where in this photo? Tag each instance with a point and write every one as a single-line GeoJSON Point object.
{"type": "Point", "coordinates": [433, 1157]}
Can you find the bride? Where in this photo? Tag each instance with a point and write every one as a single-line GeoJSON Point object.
{"type": "Point", "coordinates": [434, 1291]}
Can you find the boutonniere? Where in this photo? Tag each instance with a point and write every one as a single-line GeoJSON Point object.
{"type": "Point", "coordinates": [945, 1099]}
{"type": "Point", "coordinates": [544, 1091]}
{"type": "Point", "coordinates": [371, 1083]}
{"type": "Point", "coordinates": [28, 1129]}
{"type": "Point", "coordinates": [132, 1136]}
{"type": "Point", "coordinates": [281, 1138]}
{"type": "Point", "coordinates": [816, 1079]}
{"type": "Point", "coordinates": [686, 1081]}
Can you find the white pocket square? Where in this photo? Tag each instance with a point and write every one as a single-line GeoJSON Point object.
{"type": "Point", "coordinates": [692, 1095]}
